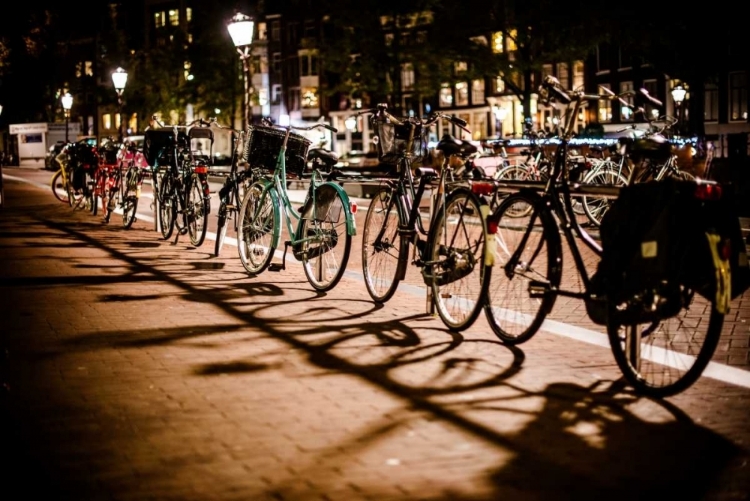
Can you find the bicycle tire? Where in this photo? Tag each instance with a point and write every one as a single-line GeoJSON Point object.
{"type": "Point", "coordinates": [676, 353]}
{"type": "Point", "coordinates": [60, 187]}
{"type": "Point", "coordinates": [456, 268]}
{"type": "Point", "coordinates": [325, 224]}
{"type": "Point", "coordinates": [518, 172]}
{"type": "Point", "coordinates": [513, 314]}
{"type": "Point", "coordinates": [595, 207]}
{"type": "Point", "coordinates": [130, 195]}
{"type": "Point", "coordinates": [221, 230]}
{"type": "Point", "coordinates": [258, 218]}
{"type": "Point", "coordinates": [196, 210]}
{"type": "Point", "coordinates": [167, 209]}
{"type": "Point", "coordinates": [383, 247]}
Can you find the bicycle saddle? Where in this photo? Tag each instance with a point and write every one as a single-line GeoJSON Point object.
{"type": "Point", "coordinates": [449, 145]}
{"type": "Point", "coordinates": [326, 157]}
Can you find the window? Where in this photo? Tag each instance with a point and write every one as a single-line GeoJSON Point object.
{"type": "Point", "coordinates": [174, 17]}
{"type": "Point", "coordinates": [186, 66]}
{"type": "Point", "coordinates": [477, 92]}
{"type": "Point", "coordinates": [188, 14]}
{"type": "Point", "coordinates": [276, 94]}
{"type": "Point", "coordinates": [605, 108]}
{"type": "Point", "coordinates": [711, 109]}
{"type": "Point", "coordinates": [650, 86]}
{"type": "Point", "coordinates": [407, 76]}
{"type": "Point", "coordinates": [738, 96]}
{"type": "Point", "coordinates": [308, 65]}
{"type": "Point", "coordinates": [603, 57]}
{"type": "Point", "coordinates": [499, 84]}
{"type": "Point", "coordinates": [107, 121]}
{"type": "Point", "coordinates": [446, 97]}
{"type": "Point", "coordinates": [563, 75]}
{"type": "Point", "coordinates": [626, 113]}
{"type": "Point", "coordinates": [275, 31]}
{"type": "Point", "coordinates": [88, 68]}
{"type": "Point", "coordinates": [462, 94]}
{"type": "Point", "coordinates": [159, 19]}
{"type": "Point", "coordinates": [291, 33]}
{"type": "Point", "coordinates": [511, 42]}
{"type": "Point", "coordinates": [497, 42]}
{"type": "Point", "coordinates": [276, 62]}
{"type": "Point", "coordinates": [309, 97]}
{"type": "Point", "coordinates": [578, 75]}
{"type": "Point", "coordinates": [460, 67]}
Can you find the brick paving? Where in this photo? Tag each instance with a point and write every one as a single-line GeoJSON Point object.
{"type": "Point", "coordinates": [137, 369]}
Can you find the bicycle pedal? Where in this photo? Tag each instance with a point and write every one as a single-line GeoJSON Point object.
{"type": "Point", "coordinates": [275, 267]}
{"type": "Point", "coordinates": [539, 289]}
{"type": "Point", "coordinates": [183, 231]}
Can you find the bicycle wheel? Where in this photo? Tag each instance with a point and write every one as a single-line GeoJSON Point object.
{"type": "Point", "coordinates": [525, 249]}
{"type": "Point", "coordinates": [258, 218]}
{"type": "Point", "coordinates": [456, 268]}
{"type": "Point", "coordinates": [326, 245]}
{"type": "Point", "coordinates": [167, 206]}
{"type": "Point", "coordinates": [60, 187]}
{"type": "Point", "coordinates": [681, 175]}
{"type": "Point", "coordinates": [196, 207]}
{"type": "Point", "coordinates": [382, 247]}
{"type": "Point", "coordinates": [518, 172]}
{"type": "Point", "coordinates": [130, 193]}
{"type": "Point", "coordinates": [595, 207]}
{"type": "Point", "coordinates": [221, 229]}
{"type": "Point", "coordinates": [660, 359]}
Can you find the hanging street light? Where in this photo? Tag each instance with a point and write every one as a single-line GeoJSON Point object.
{"type": "Point", "coordinates": [241, 29]}
{"type": "Point", "coordinates": [67, 104]}
{"type": "Point", "coordinates": [119, 79]}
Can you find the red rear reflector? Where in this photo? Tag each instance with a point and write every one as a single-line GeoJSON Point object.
{"type": "Point", "coordinates": [353, 206]}
{"type": "Point", "coordinates": [491, 226]}
{"type": "Point", "coordinates": [482, 188]}
{"type": "Point", "coordinates": [707, 191]}
{"type": "Point", "coordinates": [201, 169]}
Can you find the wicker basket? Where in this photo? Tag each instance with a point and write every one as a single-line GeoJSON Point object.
{"type": "Point", "coordinates": [393, 141]}
{"type": "Point", "coordinates": [263, 145]}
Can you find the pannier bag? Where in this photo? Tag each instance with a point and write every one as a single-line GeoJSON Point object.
{"type": "Point", "coordinates": [661, 235]}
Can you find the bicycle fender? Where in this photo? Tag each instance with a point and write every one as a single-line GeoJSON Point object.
{"type": "Point", "coordinates": [351, 226]}
{"type": "Point", "coordinates": [269, 191]}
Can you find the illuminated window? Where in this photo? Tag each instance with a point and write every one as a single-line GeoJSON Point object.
{"type": "Point", "coordinates": [605, 108]}
{"type": "Point", "coordinates": [477, 91]}
{"type": "Point", "coordinates": [738, 96]}
{"type": "Point", "coordinates": [563, 76]}
{"type": "Point", "coordinates": [188, 14]}
{"type": "Point", "coordinates": [499, 84]}
{"type": "Point", "coordinates": [497, 42]}
{"type": "Point", "coordinates": [186, 66]}
{"type": "Point", "coordinates": [407, 76]}
{"type": "Point", "coordinates": [107, 121]}
{"type": "Point", "coordinates": [174, 17]}
{"type": "Point", "coordinates": [118, 121]}
{"type": "Point", "coordinates": [626, 112]}
{"type": "Point", "coordinates": [460, 66]}
{"type": "Point", "coordinates": [446, 96]}
{"type": "Point", "coordinates": [79, 69]}
{"type": "Point", "coordinates": [547, 70]}
{"type": "Point", "coordinates": [578, 75]}
{"type": "Point", "coordinates": [309, 97]}
{"type": "Point", "coordinates": [159, 19]}
{"type": "Point", "coordinates": [190, 38]}
{"type": "Point", "coordinates": [388, 39]}
{"type": "Point", "coordinates": [263, 96]}
{"type": "Point", "coordinates": [512, 35]}
{"type": "Point", "coordinates": [89, 68]}
{"type": "Point", "coordinates": [462, 94]}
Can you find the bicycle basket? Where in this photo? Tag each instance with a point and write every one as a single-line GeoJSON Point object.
{"type": "Point", "coordinates": [158, 143]}
{"type": "Point", "coordinates": [263, 145]}
{"type": "Point", "coordinates": [393, 141]}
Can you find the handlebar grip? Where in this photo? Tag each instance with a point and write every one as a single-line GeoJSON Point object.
{"type": "Point", "coordinates": [332, 129]}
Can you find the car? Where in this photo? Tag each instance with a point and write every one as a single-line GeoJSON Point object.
{"type": "Point", "coordinates": [49, 159]}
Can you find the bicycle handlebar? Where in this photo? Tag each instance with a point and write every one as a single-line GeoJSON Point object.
{"type": "Point", "coordinates": [382, 110]}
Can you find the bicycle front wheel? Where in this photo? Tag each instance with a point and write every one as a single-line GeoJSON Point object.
{"type": "Point", "coordinates": [167, 206]}
{"type": "Point", "coordinates": [525, 249]}
{"type": "Point", "coordinates": [456, 265]}
{"type": "Point", "coordinates": [660, 359]}
{"type": "Point", "coordinates": [197, 209]}
{"type": "Point", "coordinates": [258, 218]}
{"type": "Point", "coordinates": [595, 207]}
{"type": "Point", "coordinates": [325, 240]}
{"type": "Point", "coordinates": [382, 246]}
{"type": "Point", "coordinates": [60, 187]}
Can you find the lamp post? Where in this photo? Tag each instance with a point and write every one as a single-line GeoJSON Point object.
{"type": "Point", "coordinates": [678, 95]}
{"type": "Point", "coordinates": [67, 103]}
{"type": "Point", "coordinates": [240, 28]}
{"type": "Point", "coordinates": [119, 79]}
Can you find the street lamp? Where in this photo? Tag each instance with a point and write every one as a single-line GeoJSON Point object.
{"type": "Point", "coordinates": [678, 95]}
{"type": "Point", "coordinates": [67, 103]}
{"type": "Point", "coordinates": [241, 30]}
{"type": "Point", "coordinates": [119, 79]}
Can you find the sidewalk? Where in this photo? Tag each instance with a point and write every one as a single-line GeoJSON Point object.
{"type": "Point", "coordinates": [136, 369]}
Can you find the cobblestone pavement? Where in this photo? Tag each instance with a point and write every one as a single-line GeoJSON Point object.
{"type": "Point", "coordinates": [135, 369]}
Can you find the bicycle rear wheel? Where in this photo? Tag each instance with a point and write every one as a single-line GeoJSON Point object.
{"type": "Point", "coordinates": [382, 247]}
{"type": "Point", "coordinates": [595, 207]}
{"type": "Point", "coordinates": [197, 208]}
{"type": "Point", "coordinates": [526, 249]}
{"type": "Point", "coordinates": [258, 217]}
{"type": "Point", "coordinates": [325, 250]}
{"type": "Point", "coordinates": [167, 206]}
{"type": "Point", "coordinates": [456, 268]}
{"type": "Point", "coordinates": [660, 359]}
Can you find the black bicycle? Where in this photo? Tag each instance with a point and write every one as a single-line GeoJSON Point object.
{"type": "Point", "coordinates": [183, 189]}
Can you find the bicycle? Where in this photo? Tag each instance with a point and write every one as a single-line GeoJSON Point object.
{"type": "Point", "coordinates": [78, 164]}
{"type": "Point", "coordinates": [61, 181]}
{"type": "Point", "coordinates": [523, 290]}
{"type": "Point", "coordinates": [451, 255]}
{"type": "Point", "coordinates": [183, 189]}
{"type": "Point", "coordinates": [125, 184]}
{"type": "Point", "coordinates": [325, 224]}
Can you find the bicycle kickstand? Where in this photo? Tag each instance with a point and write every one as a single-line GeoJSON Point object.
{"type": "Point", "coordinates": [282, 265]}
